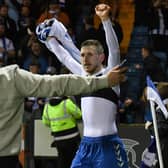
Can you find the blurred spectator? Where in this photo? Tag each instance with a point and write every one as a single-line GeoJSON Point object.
{"type": "Point", "coordinates": [13, 10]}
{"type": "Point", "coordinates": [25, 21]}
{"type": "Point", "coordinates": [36, 54]}
{"type": "Point", "coordinates": [158, 30]}
{"type": "Point", "coordinates": [60, 115]}
{"type": "Point", "coordinates": [7, 49]}
{"type": "Point", "coordinates": [26, 25]}
{"type": "Point", "coordinates": [33, 5]}
{"type": "Point", "coordinates": [157, 3]}
{"type": "Point", "coordinates": [54, 62]}
{"type": "Point", "coordinates": [54, 10]}
{"type": "Point", "coordinates": [33, 104]}
{"type": "Point", "coordinates": [26, 3]}
{"type": "Point", "coordinates": [88, 31]}
{"type": "Point", "coordinates": [163, 123]}
{"type": "Point", "coordinates": [130, 111]}
{"type": "Point", "coordinates": [85, 8]}
{"type": "Point", "coordinates": [10, 25]}
{"type": "Point", "coordinates": [141, 12]}
{"type": "Point", "coordinates": [72, 8]}
{"type": "Point", "coordinates": [34, 67]}
{"type": "Point", "coordinates": [41, 5]}
{"type": "Point", "coordinates": [149, 156]}
{"type": "Point", "coordinates": [24, 45]}
{"type": "Point", "coordinates": [152, 66]}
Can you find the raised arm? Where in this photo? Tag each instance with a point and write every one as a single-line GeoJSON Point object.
{"type": "Point", "coordinates": [56, 38]}
{"type": "Point", "coordinates": [64, 56]}
{"type": "Point", "coordinates": [54, 28]}
{"type": "Point", "coordinates": [103, 10]}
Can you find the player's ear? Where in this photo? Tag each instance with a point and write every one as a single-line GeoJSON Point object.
{"type": "Point", "coordinates": [102, 57]}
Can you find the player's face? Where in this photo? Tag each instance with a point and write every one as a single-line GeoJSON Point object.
{"type": "Point", "coordinates": [90, 59]}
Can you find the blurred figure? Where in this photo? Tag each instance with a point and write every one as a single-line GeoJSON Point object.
{"type": "Point", "coordinates": [149, 156]}
{"type": "Point", "coordinates": [60, 115]}
{"type": "Point", "coordinates": [88, 31]}
{"type": "Point", "coordinates": [26, 2]}
{"type": "Point", "coordinates": [10, 25]}
{"type": "Point", "coordinates": [141, 12]}
{"type": "Point", "coordinates": [25, 21]}
{"type": "Point", "coordinates": [84, 8]}
{"type": "Point", "coordinates": [34, 104]}
{"type": "Point", "coordinates": [24, 45]}
{"type": "Point", "coordinates": [152, 65]}
{"type": "Point", "coordinates": [16, 84]}
{"type": "Point", "coordinates": [54, 11]}
{"type": "Point", "coordinates": [158, 30]}
{"type": "Point", "coordinates": [163, 123]}
{"type": "Point", "coordinates": [36, 53]}
{"type": "Point", "coordinates": [128, 111]}
{"type": "Point", "coordinates": [7, 49]}
{"type": "Point", "coordinates": [13, 10]}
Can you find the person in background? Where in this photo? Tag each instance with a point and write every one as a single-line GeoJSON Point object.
{"type": "Point", "coordinates": [24, 45]}
{"type": "Point", "coordinates": [54, 11]}
{"type": "Point", "coordinates": [7, 49]}
{"type": "Point", "coordinates": [158, 28]}
{"type": "Point", "coordinates": [33, 107]}
{"type": "Point", "coordinates": [141, 13]}
{"type": "Point", "coordinates": [163, 123]}
{"type": "Point", "coordinates": [13, 10]}
{"type": "Point", "coordinates": [152, 65]}
{"type": "Point", "coordinates": [37, 54]}
{"type": "Point", "coordinates": [60, 114]}
{"type": "Point", "coordinates": [16, 84]}
{"type": "Point", "coordinates": [34, 104]}
{"type": "Point", "coordinates": [149, 156]}
{"type": "Point", "coordinates": [25, 22]}
{"type": "Point", "coordinates": [128, 111]}
{"type": "Point", "coordinates": [9, 23]}
{"type": "Point", "coordinates": [88, 31]}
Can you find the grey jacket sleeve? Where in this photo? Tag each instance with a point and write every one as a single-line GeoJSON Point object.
{"type": "Point", "coordinates": [29, 84]}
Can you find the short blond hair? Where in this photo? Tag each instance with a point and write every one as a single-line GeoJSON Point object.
{"type": "Point", "coordinates": [93, 42]}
